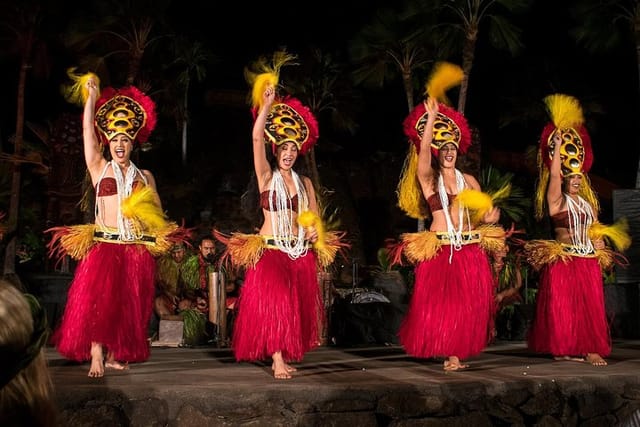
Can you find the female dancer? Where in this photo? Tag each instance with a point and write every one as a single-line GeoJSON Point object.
{"type": "Point", "coordinates": [450, 314]}
{"type": "Point", "coordinates": [111, 296]}
{"type": "Point", "coordinates": [570, 321]}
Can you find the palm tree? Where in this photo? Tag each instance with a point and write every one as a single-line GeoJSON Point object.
{"type": "Point", "coordinates": [321, 85]}
{"type": "Point", "coordinates": [457, 32]}
{"type": "Point", "coordinates": [21, 26]}
{"type": "Point", "coordinates": [394, 45]}
{"type": "Point", "coordinates": [391, 46]}
{"type": "Point", "coordinates": [121, 31]}
{"type": "Point", "coordinates": [192, 59]}
{"type": "Point", "coordinates": [604, 24]}
{"type": "Point", "coordinates": [460, 23]}
{"type": "Point", "coordinates": [517, 206]}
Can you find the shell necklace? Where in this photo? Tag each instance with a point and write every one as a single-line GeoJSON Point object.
{"type": "Point", "coordinates": [282, 215]}
{"type": "Point", "coordinates": [580, 219]}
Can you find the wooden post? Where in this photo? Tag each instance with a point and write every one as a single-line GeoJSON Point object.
{"type": "Point", "coordinates": [213, 297]}
{"type": "Point", "coordinates": [218, 305]}
{"type": "Point", "coordinates": [325, 281]}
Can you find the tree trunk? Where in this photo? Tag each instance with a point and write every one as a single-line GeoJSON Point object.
{"type": "Point", "coordinates": [14, 201]}
{"type": "Point", "coordinates": [312, 167]}
{"type": "Point", "coordinates": [185, 118]}
{"type": "Point", "coordinates": [638, 64]}
{"type": "Point", "coordinates": [468, 54]}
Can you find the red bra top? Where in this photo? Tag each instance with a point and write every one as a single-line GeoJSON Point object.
{"type": "Point", "coordinates": [108, 186]}
{"type": "Point", "coordinates": [561, 219]}
{"type": "Point", "coordinates": [435, 204]}
{"type": "Point", "coordinates": [264, 201]}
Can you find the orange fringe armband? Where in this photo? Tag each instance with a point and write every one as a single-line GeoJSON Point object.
{"type": "Point", "coordinates": [493, 237]}
{"type": "Point", "coordinates": [73, 240]}
{"type": "Point", "coordinates": [334, 243]}
{"type": "Point", "coordinates": [242, 250]}
{"type": "Point", "coordinates": [421, 246]}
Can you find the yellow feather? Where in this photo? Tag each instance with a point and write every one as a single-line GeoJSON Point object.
{"type": "Point", "coordinates": [311, 219]}
{"type": "Point", "coordinates": [408, 190]}
{"type": "Point", "coordinates": [141, 207]}
{"type": "Point", "coordinates": [476, 201]}
{"type": "Point", "coordinates": [565, 111]}
{"type": "Point", "coordinates": [76, 93]}
{"type": "Point", "coordinates": [262, 82]}
{"type": "Point", "coordinates": [264, 73]}
{"type": "Point", "coordinates": [443, 77]}
{"type": "Point", "coordinates": [617, 234]}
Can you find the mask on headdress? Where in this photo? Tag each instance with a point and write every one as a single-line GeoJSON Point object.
{"type": "Point", "coordinates": [288, 120]}
{"type": "Point", "coordinates": [125, 111]}
{"type": "Point", "coordinates": [576, 155]}
{"type": "Point", "coordinates": [450, 126]}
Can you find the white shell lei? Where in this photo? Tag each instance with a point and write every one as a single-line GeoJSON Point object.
{"type": "Point", "coordinates": [124, 186]}
{"type": "Point", "coordinates": [579, 229]}
{"type": "Point", "coordinates": [455, 236]}
{"type": "Point", "coordinates": [282, 215]}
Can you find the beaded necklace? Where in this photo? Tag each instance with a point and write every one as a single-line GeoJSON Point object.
{"type": "Point", "coordinates": [124, 186]}
{"type": "Point", "coordinates": [282, 215]}
{"type": "Point", "coordinates": [580, 219]}
{"type": "Point", "coordinates": [455, 236]}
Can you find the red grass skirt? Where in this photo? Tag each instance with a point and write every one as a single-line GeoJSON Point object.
{"type": "Point", "coordinates": [570, 315]}
{"type": "Point", "coordinates": [451, 309]}
{"type": "Point", "coordinates": [279, 308]}
{"type": "Point", "coordinates": [109, 301]}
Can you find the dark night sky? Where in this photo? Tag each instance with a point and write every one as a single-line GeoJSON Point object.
{"type": "Point", "coordinates": [552, 62]}
{"type": "Point", "coordinates": [238, 32]}
{"type": "Point", "coordinates": [606, 84]}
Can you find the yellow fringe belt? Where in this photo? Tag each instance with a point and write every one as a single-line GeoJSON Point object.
{"type": "Point", "coordinates": [543, 252]}
{"type": "Point", "coordinates": [424, 245]}
{"type": "Point", "coordinates": [76, 240]}
{"type": "Point", "coordinates": [244, 250]}
{"type": "Point", "coordinates": [270, 242]}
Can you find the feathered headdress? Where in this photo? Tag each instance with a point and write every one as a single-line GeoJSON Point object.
{"type": "Point", "coordinates": [450, 126]}
{"type": "Point", "coordinates": [576, 155]}
{"type": "Point", "coordinates": [289, 120]}
{"type": "Point", "coordinates": [125, 111]}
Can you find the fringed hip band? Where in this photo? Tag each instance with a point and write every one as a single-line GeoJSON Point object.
{"type": "Point", "coordinates": [105, 236]}
{"type": "Point", "coordinates": [468, 237]}
{"type": "Point", "coordinates": [578, 251]}
{"type": "Point", "coordinates": [270, 242]}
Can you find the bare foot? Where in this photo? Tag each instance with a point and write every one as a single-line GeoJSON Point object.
{"type": "Point", "coordinates": [569, 358]}
{"type": "Point", "coordinates": [114, 364]}
{"type": "Point", "coordinates": [453, 364]}
{"type": "Point", "coordinates": [288, 367]}
{"type": "Point", "coordinates": [596, 360]}
{"type": "Point", "coordinates": [279, 367]}
{"type": "Point", "coordinates": [97, 361]}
